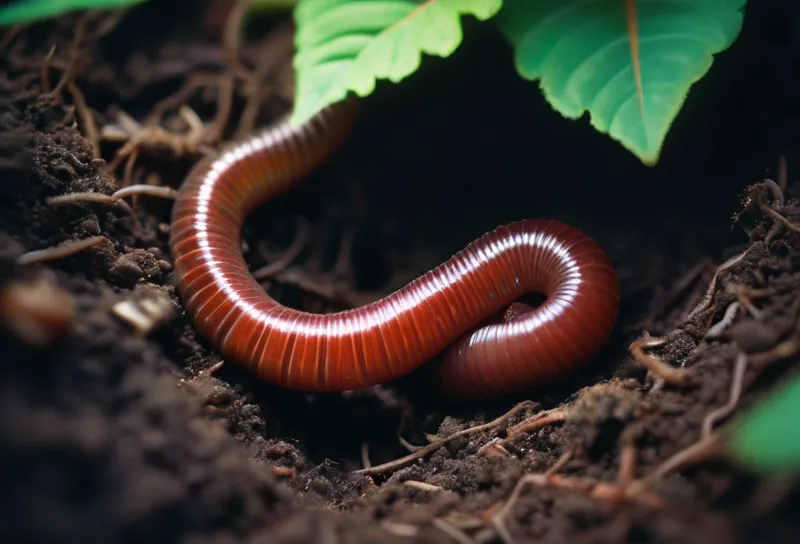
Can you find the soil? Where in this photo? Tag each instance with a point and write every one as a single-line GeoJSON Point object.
{"type": "Point", "coordinates": [113, 434]}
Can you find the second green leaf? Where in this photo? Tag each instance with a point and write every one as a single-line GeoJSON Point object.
{"type": "Point", "coordinates": [581, 52]}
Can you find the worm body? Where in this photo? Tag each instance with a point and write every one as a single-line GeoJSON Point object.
{"type": "Point", "coordinates": [393, 336]}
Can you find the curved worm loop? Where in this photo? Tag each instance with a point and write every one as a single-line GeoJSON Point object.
{"type": "Point", "coordinates": [391, 337]}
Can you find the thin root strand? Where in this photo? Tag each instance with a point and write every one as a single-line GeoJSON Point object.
{"type": "Point", "coordinates": [59, 252]}
{"type": "Point", "coordinates": [167, 193]}
{"type": "Point", "coordinates": [779, 218]}
{"type": "Point", "coordinates": [733, 398]}
{"type": "Point", "coordinates": [430, 448]}
{"type": "Point", "coordinates": [300, 241]}
{"type": "Point", "coordinates": [656, 366]}
{"type": "Point", "coordinates": [723, 324]}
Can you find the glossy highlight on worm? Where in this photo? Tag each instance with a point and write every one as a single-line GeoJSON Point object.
{"type": "Point", "coordinates": [450, 312]}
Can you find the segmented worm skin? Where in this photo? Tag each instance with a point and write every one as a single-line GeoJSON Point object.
{"type": "Point", "coordinates": [389, 338]}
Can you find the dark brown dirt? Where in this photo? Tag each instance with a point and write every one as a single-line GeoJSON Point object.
{"type": "Point", "coordinates": [113, 436]}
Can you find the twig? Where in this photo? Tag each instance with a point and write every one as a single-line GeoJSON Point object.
{"type": "Point", "coordinates": [44, 70]}
{"type": "Point", "coordinates": [89, 197]}
{"type": "Point", "coordinates": [535, 422]}
{"type": "Point", "coordinates": [127, 171]}
{"type": "Point", "coordinates": [784, 350]}
{"type": "Point", "coordinates": [658, 367]}
{"type": "Point", "coordinates": [231, 37]}
{"type": "Point", "coordinates": [180, 97]}
{"type": "Point", "coordinates": [560, 463]}
{"type": "Point", "coordinates": [136, 136]}
{"type": "Point", "coordinates": [280, 45]}
{"type": "Point", "coordinates": [664, 301]}
{"type": "Point", "coordinates": [779, 218]}
{"type": "Point", "coordinates": [408, 445]}
{"type": "Point", "coordinates": [430, 448]}
{"type": "Point", "coordinates": [337, 293]}
{"type": "Point", "coordinates": [705, 448]}
{"type": "Point", "coordinates": [422, 486]}
{"type": "Point", "coordinates": [733, 397]}
{"type": "Point", "coordinates": [708, 298]}
{"type": "Point", "coordinates": [722, 325]}
{"type": "Point", "coordinates": [747, 304]}
{"type": "Point", "coordinates": [81, 198]}
{"type": "Point", "coordinates": [230, 47]}
{"type": "Point", "coordinates": [224, 105]}
{"type": "Point", "coordinates": [167, 193]}
{"type": "Point", "coordinates": [212, 369]}
{"type": "Point", "coordinates": [74, 53]}
{"type": "Point", "coordinates": [627, 460]}
{"type": "Point", "coordinates": [627, 464]}
{"type": "Point", "coordinates": [295, 248]}
{"type": "Point", "coordinates": [86, 117]}
{"type": "Point", "coordinates": [59, 252]}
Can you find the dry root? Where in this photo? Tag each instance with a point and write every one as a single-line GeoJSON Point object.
{"type": "Point", "coordinates": [659, 368]}
{"type": "Point", "coordinates": [62, 251]}
{"type": "Point", "coordinates": [430, 448]}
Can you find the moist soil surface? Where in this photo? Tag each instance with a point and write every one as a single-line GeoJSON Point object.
{"type": "Point", "coordinates": [120, 424]}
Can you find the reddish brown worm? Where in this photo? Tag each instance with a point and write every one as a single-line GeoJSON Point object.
{"type": "Point", "coordinates": [447, 311]}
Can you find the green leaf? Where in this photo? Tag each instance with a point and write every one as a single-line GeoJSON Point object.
{"type": "Point", "coordinates": [582, 55]}
{"type": "Point", "coordinates": [347, 45]}
{"type": "Point", "coordinates": [767, 438]}
{"type": "Point", "coordinates": [27, 11]}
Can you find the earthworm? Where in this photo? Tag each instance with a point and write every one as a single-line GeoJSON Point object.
{"type": "Point", "coordinates": [432, 319]}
